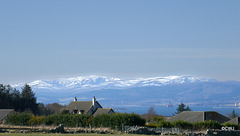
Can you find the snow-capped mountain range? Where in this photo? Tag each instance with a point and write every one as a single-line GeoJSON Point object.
{"type": "Point", "coordinates": [102, 82]}
{"type": "Point", "coordinates": [138, 94]}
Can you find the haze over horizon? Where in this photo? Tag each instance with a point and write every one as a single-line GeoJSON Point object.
{"type": "Point", "coordinates": [45, 40]}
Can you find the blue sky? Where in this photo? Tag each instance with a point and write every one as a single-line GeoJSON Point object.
{"type": "Point", "coordinates": [125, 38]}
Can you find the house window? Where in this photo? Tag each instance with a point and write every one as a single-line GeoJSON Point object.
{"type": "Point", "coordinates": [81, 111]}
{"type": "Point", "coordinates": [74, 111]}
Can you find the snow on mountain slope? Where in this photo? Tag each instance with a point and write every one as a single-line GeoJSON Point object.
{"type": "Point", "coordinates": [139, 93]}
{"type": "Point", "coordinates": [101, 82]}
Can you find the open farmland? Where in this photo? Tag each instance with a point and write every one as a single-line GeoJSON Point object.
{"type": "Point", "coordinates": [40, 134]}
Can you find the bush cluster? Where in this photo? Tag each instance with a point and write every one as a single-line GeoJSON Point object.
{"type": "Point", "coordinates": [69, 120]}
{"type": "Point", "coordinates": [35, 120]}
{"type": "Point", "coordinates": [106, 120]}
{"type": "Point", "coordinates": [18, 119]}
{"type": "Point", "coordinates": [76, 120]}
{"type": "Point", "coordinates": [226, 124]}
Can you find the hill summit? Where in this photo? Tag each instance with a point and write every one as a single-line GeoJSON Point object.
{"type": "Point", "coordinates": [102, 82]}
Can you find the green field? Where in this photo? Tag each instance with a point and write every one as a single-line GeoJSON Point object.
{"type": "Point", "coordinates": [40, 134]}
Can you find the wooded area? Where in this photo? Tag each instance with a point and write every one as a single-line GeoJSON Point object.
{"type": "Point", "coordinates": [25, 101]}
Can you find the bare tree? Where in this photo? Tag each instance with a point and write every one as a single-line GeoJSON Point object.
{"type": "Point", "coordinates": [151, 113]}
{"type": "Point", "coordinates": [55, 108]}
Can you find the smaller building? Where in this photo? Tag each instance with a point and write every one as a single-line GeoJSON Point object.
{"type": "Point", "coordinates": [4, 113]}
{"type": "Point", "coordinates": [87, 107]}
{"type": "Point", "coordinates": [194, 116]}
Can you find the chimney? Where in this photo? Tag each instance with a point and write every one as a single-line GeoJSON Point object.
{"type": "Point", "coordinates": [75, 99]}
{"type": "Point", "coordinates": [94, 101]}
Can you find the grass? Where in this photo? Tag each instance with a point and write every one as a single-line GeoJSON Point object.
{"type": "Point", "coordinates": [40, 134]}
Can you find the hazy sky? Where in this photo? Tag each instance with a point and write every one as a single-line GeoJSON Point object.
{"type": "Point", "coordinates": [50, 39]}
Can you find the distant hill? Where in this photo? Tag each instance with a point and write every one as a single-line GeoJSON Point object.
{"type": "Point", "coordinates": [155, 91]}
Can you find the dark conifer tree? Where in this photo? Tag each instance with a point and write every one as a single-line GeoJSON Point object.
{"type": "Point", "coordinates": [182, 107]}
{"type": "Point", "coordinates": [16, 100]}
{"type": "Point", "coordinates": [28, 102]}
{"type": "Point", "coordinates": [2, 96]}
{"type": "Point", "coordinates": [5, 97]}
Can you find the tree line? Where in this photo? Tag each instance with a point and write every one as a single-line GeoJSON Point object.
{"type": "Point", "coordinates": [25, 101]}
{"type": "Point", "coordinates": [12, 99]}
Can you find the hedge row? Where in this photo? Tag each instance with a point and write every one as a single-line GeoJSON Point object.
{"type": "Point", "coordinates": [117, 119]}
{"type": "Point", "coordinates": [197, 125]}
{"type": "Point", "coordinates": [69, 120]}
{"type": "Point", "coordinates": [105, 120]}
{"type": "Point", "coordinates": [76, 120]}
{"type": "Point", "coordinates": [19, 119]}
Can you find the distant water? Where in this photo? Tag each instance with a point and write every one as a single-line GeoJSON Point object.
{"type": "Point", "coordinates": [169, 111]}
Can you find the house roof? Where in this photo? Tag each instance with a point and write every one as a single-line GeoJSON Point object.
{"type": "Point", "coordinates": [213, 115]}
{"type": "Point", "coordinates": [80, 105]}
{"type": "Point", "coordinates": [4, 113]}
{"type": "Point", "coordinates": [103, 111]}
{"type": "Point", "coordinates": [193, 116]}
{"type": "Point", "coordinates": [189, 116]}
{"type": "Point", "coordinates": [235, 120]}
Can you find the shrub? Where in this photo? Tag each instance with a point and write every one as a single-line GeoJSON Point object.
{"type": "Point", "coordinates": [50, 120]}
{"type": "Point", "coordinates": [210, 124]}
{"type": "Point", "coordinates": [198, 125]}
{"type": "Point", "coordinates": [68, 120]}
{"type": "Point", "coordinates": [80, 120]}
{"type": "Point", "coordinates": [117, 119]}
{"type": "Point", "coordinates": [18, 119]}
{"type": "Point", "coordinates": [227, 124]}
{"type": "Point", "coordinates": [134, 120]}
{"type": "Point", "coordinates": [165, 124]}
{"type": "Point", "coordinates": [152, 125]}
{"type": "Point", "coordinates": [77, 120]}
{"type": "Point", "coordinates": [182, 124]}
{"type": "Point", "coordinates": [101, 121]}
{"type": "Point", "coordinates": [35, 120]}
